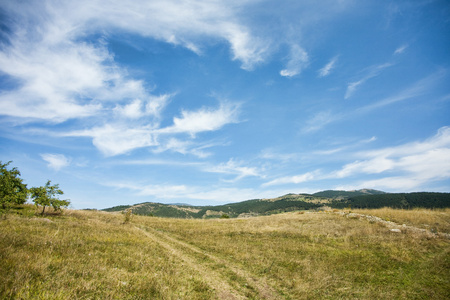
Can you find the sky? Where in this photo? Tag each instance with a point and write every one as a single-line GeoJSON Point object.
{"type": "Point", "coordinates": [211, 102]}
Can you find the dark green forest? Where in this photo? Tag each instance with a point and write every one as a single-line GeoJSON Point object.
{"type": "Point", "coordinates": [400, 200]}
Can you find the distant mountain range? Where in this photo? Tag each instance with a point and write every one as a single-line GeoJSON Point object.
{"type": "Point", "coordinates": [364, 198]}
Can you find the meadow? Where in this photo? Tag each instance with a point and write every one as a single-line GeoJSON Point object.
{"type": "Point", "coordinates": [296, 255]}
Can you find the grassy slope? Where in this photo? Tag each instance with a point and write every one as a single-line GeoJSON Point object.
{"type": "Point", "coordinates": [88, 254]}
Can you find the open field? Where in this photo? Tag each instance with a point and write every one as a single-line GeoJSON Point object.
{"type": "Point", "coordinates": [298, 255]}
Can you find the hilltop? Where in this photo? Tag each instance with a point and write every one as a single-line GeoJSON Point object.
{"type": "Point", "coordinates": [365, 198]}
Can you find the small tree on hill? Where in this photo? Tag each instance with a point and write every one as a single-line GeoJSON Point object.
{"type": "Point", "coordinates": [12, 189]}
{"type": "Point", "coordinates": [48, 196]}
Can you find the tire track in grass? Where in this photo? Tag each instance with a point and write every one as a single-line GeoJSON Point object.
{"type": "Point", "coordinates": [214, 280]}
{"type": "Point", "coordinates": [252, 284]}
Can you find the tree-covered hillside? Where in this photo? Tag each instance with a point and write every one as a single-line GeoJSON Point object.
{"type": "Point", "coordinates": [285, 203]}
{"type": "Point", "coordinates": [293, 202]}
{"type": "Point", "coordinates": [347, 194]}
{"type": "Point", "coordinates": [400, 200]}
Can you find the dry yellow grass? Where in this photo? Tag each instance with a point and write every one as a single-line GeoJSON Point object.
{"type": "Point", "coordinates": [437, 220]}
{"type": "Point", "coordinates": [93, 255]}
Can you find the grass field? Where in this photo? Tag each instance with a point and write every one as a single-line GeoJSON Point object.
{"type": "Point", "coordinates": [299, 255]}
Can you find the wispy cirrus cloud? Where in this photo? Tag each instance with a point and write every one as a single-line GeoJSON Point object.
{"type": "Point", "coordinates": [298, 60]}
{"type": "Point", "coordinates": [419, 88]}
{"type": "Point", "coordinates": [235, 168]}
{"type": "Point", "coordinates": [401, 49]}
{"type": "Point", "coordinates": [409, 166]}
{"type": "Point", "coordinates": [322, 118]}
{"type": "Point", "coordinates": [413, 164]}
{"type": "Point", "coordinates": [372, 72]}
{"type": "Point", "coordinates": [326, 70]}
{"type": "Point", "coordinates": [309, 176]}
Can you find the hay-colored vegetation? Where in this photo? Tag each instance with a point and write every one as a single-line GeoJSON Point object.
{"type": "Point", "coordinates": [436, 220]}
{"type": "Point", "coordinates": [322, 255]}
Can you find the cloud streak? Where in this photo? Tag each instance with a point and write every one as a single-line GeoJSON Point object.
{"type": "Point", "coordinates": [235, 168]}
{"type": "Point", "coordinates": [296, 179]}
{"type": "Point", "coordinates": [372, 72]}
{"type": "Point", "coordinates": [401, 49]}
{"type": "Point", "coordinates": [410, 166]}
{"type": "Point", "coordinates": [326, 70]}
{"type": "Point", "coordinates": [323, 118]}
{"type": "Point", "coordinates": [205, 119]}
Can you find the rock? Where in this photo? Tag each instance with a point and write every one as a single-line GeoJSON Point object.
{"type": "Point", "coordinates": [395, 230]}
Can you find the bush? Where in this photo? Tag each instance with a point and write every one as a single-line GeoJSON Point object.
{"type": "Point", "coordinates": [128, 213]}
{"type": "Point", "coordinates": [48, 196]}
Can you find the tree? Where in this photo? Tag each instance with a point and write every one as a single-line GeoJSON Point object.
{"type": "Point", "coordinates": [12, 189]}
{"type": "Point", "coordinates": [48, 196]}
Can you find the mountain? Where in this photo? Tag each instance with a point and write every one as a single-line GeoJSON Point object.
{"type": "Point", "coordinates": [364, 198]}
{"type": "Point", "coordinates": [253, 207]}
{"type": "Point", "coordinates": [347, 194]}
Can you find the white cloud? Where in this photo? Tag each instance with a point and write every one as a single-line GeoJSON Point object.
{"type": "Point", "coordinates": [118, 137]}
{"type": "Point", "coordinates": [373, 166]}
{"type": "Point", "coordinates": [63, 73]}
{"type": "Point", "coordinates": [249, 50]}
{"type": "Point", "coordinates": [309, 176]}
{"type": "Point", "coordinates": [233, 167]}
{"type": "Point", "coordinates": [326, 70]}
{"type": "Point", "coordinates": [413, 164]}
{"type": "Point", "coordinates": [138, 108]}
{"type": "Point", "coordinates": [401, 49]}
{"type": "Point", "coordinates": [320, 120]}
{"type": "Point", "coordinates": [56, 161]}
{"type": "Point", "coordinates": [372, 72]}
{"type": "Point", "coordinates": [273, 155]}
{"type": "Point", "coordinates": [351, 87]}
{"type": "Point", "coordinates": [406, 167]}
{"type": "Point", "coordinates": [160, 191]}
{"type": "Point", "coordinates": [115, 139]}
{"type": "Point", "coordinates": [182, 146]}
{"type": "Point", "coordinates": [418, 88]}
{"type": "Point", "coordinates": [205, 119]}
{"type": "Point", "coordinates": [298, 60]}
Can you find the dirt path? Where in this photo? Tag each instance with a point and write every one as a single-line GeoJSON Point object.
{"type": "Point", "coordinates": [214, 280]}
{"type": "Point", "coordinates": [244, 284]}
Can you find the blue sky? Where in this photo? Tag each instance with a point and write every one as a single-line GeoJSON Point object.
{"type": "Point", "coordinates": [211, 102]}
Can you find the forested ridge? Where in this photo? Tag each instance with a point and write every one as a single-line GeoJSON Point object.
{"type": "Point", "coordinates": [293, 202]}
